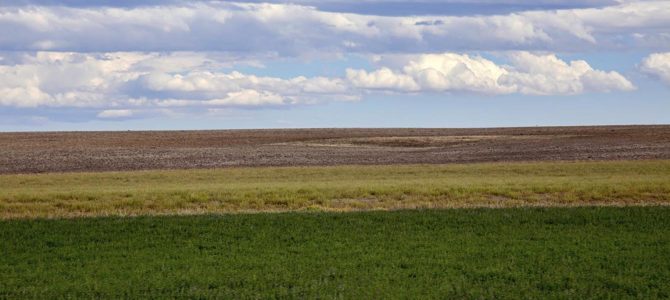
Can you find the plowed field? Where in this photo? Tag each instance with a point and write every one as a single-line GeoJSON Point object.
{"type": "Point", "coordinates": [143, 150]}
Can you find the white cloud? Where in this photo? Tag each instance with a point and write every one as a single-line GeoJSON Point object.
{"type": "Point", "coordinates": [115, 113]}
{"type": "Point", "coordinates": [22, 96]}
{"type": "Point", "coordinates": [528, 73]}
{"type": "Point", "coordinates": [122, 82]}
{"type": "Point", "coordinates": [217, 82]}
{"type": "Point", "coordinates": [64, 79]}
{"type": "Point", "coordinates": [382, 79]}
{"type": "Point", "coordinates": [547, 74]}
{"type": "Point", "coordinates": [657, 65]}
{"type": "Point", "coordinates": [243, 89]}
{"type": "Point", "coordinates": [455, 72]}
{"type": "Point", "coordinates": [109, 80]}
{"type": "Point", "coordinates": [248, 97]}
{"type": "Point", "coordinates": [293, 30]}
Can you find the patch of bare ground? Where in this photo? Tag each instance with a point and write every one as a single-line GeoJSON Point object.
{"type": "Point", "coordinates": [117, 151]}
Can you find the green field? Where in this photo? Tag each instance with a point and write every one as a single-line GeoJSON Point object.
{"type": "Point", "coordinates": [567, 253]}
{"type": "Point", "coordinates": [340, 188]}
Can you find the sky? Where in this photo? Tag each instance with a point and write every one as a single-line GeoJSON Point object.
{"type": "Point", "coordinates": [175, 64]}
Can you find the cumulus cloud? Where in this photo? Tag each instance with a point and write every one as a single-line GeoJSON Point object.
{"type": "Point", "coordinates": [293, 30]}
{"type": "Point", "coordinates": [249, 97]}
{"type": "Point", "coordinates": [382, 79]}
{"type": "Point", "coordinates": [122, 79]}
{"type": "Point", "coordinates": [527, 73]}
{"type": "Point", "coordinates": [206, 83]}
{"type": "Point", "coordinates": [125, 84]}
{"type": "Point", "coordinates": [115, 113]}
{"type": "Point", "coordinates": [125, 58]}
{"type": "Point", "coordinates": [64, 79]}
{"type": "Point", "coordinates": [657, 65]}
{"type": "Point", "coordinates": [547, 74]}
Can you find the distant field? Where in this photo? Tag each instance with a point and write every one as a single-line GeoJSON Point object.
{"type": "Point", "coordinates": [338, 188]}
{"type": "Point", "coordinates": [39, 152]}
{"type": "Point", "coordinates": [570, 253]}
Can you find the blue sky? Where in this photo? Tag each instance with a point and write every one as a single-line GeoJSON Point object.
{"type": "Point", "coordinates": [133, 65]}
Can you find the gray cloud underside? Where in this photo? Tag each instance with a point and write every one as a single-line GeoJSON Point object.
{"type": "Point", "coordinates": [294, 30]}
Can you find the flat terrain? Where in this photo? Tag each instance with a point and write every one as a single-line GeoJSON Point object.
{"type": "Point", "coordinates": [580, 212]}
{"type": "Point", "coordinates": [338, 188]}
{"type": "Point", "coordinates": [118, 151]}
{"type": "Point", "coordinates": [470, 253]}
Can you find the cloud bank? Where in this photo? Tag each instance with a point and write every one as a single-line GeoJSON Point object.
{"type": "Point", "coordinates": [124, 59]}
{"type": "Point", "coordinates": [122, 83]}
{"type": "Point", "coordinates": [534, 74]}
{"type": "Point", "coordinates": [59, 79]}
{"type": "Point", "coordinates": [294, 30]}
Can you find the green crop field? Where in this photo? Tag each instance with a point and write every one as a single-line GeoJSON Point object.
{"type": "Point", "coordinates": [340, 188]}
{"type": "Point", "coordinates": [584, 252]}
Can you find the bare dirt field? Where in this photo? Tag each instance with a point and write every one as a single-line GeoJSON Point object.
{"type": "Point", "coordinates": [141, 150]}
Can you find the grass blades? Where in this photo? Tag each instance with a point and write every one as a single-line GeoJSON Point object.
{"type": "Point", "coordinates": [587, 252]}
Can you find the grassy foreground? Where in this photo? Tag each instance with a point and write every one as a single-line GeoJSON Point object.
{"type": "Point", "coordinates": [586, 252]}
{"type": "Point", "coordinates": [340, 188]}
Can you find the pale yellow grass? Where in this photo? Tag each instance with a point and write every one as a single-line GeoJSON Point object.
{"type": "Point", "coordinates": [341, 188]}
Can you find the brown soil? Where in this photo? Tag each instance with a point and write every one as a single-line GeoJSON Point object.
{"type": "Point", "coordinates": [107, 151]}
